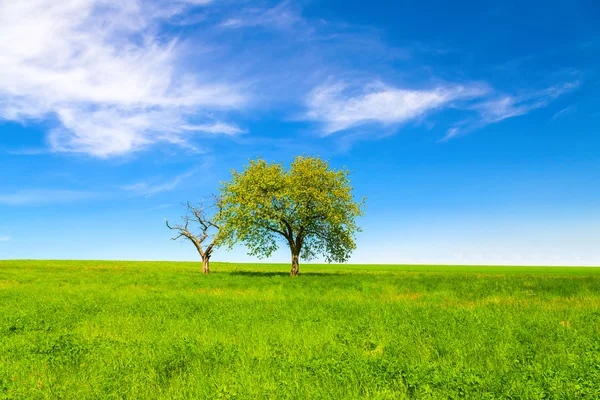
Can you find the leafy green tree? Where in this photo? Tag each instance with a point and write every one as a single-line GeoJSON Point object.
{"type": "Point", "coordinates": [310, 207]}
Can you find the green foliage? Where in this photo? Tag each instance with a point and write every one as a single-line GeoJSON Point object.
{"type": "Point", "coordinates": [157, 330]}
{"type": "Point", "coordinates": [310, 207]}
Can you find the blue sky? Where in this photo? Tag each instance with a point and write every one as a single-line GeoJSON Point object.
{"type": "Point", "coordinates": [472, 129]}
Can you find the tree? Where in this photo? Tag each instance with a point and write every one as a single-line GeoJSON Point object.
{"type": "Point", "coordinates": [208, 229]}
{"type": "Point", "coordinates": [310, 207]}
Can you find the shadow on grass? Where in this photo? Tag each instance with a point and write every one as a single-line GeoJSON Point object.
{"type": "Point", "coordinates": [270, 274]}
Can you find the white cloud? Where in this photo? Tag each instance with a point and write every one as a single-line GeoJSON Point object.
{"type": "Point", "coordinates": [104, 70]}
{"type": "Point", "coordinates": [43, 196]}
{"type": "Point", "coordinates": [4, 238]}
{"type": "Point", "coordinates": [498, 108]}
{"type": "Point", "coordinates": [155, 187]}
{"type": "Point", "coordinates": [217, 127]}
{"type": "Point", "coordinates": [452, 132]}
{"type": "Point", "coordinates": [279, 17]}
{"type": "Point", "coordinates": [562, 112]}
{"type": "Point", "coordinates": [337, 109]}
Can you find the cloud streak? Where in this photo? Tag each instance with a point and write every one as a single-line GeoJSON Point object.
{"type": "Point", "coordinates": [151, 188]}
{"type": "Point", "coordinates": [562, 112]}
{"type": "Point", "coordinates": [280, 16]}
{"type": "Point", "coordinates": [341, 107]}
{"type": "Point", "coordinates": [106, 73]}
{"type": "Point", "coordinates": [498, 108]}
{"type": "Point", "coordinates": [337, 107]}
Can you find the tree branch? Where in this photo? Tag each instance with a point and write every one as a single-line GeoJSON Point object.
{"type": "Point", "coordinates": [199, 216]}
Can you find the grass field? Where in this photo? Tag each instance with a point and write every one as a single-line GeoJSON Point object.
{"type": "Point", "coordinates": [144, 330]}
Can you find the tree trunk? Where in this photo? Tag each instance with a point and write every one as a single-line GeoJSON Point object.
{"type": "Point", "coordinates": [295, 266]}
{"type": "Point", "coordinates": [205, 265]}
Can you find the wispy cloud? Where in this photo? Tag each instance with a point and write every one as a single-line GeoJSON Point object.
{"type": "Point", "coordinates": [45, 196]}
{"type": "Point", "coordinates": [498, 108]}
{"type": "Point", "coordinates": [105, 72]}
{"type": "Point", "coordinates": [4, 238]}
{"type": "Point", "coordinates": [338, 107]}
{"type": "Point", "coordinates": [341, 107]}
{"type": "Point", "coordinates": [150, 188]}
{"type": "Point", "coordinates": [280, 16]}
{"type": "Point", "coordinates": [217, 127]}
{"type": "Point", "coordinates": [562, 112]}
{"type": "Point", "coordinates": [452, 132]}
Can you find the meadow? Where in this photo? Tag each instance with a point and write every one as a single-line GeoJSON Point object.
{"type": "Point", "coordinates": [163, 330]}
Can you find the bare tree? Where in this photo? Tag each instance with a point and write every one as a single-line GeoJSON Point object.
{"type": "Point", "coordinates": [208, 237]}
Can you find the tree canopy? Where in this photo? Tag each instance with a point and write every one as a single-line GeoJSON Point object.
{"type": "Point", "coordinates": [310, 207]}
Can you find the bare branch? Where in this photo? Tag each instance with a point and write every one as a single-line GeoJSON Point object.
{"type": "Point", "coordinates": [198, 215]}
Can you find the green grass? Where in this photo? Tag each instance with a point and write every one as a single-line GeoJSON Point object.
{"type": "Point", "coordinates": [144, 330]}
